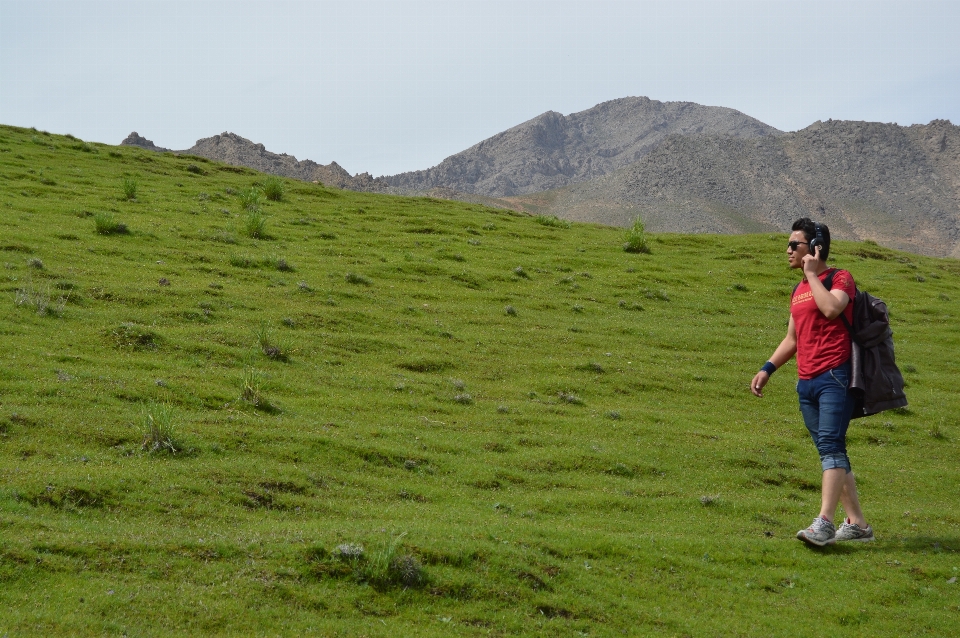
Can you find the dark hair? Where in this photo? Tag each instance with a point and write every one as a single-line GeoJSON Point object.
{"type": "Point", "coordinates": [809, 228]}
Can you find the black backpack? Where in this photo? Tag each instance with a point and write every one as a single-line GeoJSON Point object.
{"type": "Point", "coordinates": [876, 380]}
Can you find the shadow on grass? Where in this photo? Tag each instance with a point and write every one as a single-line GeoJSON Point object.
{"type": "Point", "coordinates": [896, 545]}
{"type": "Point", "coordinates": [929, 543]}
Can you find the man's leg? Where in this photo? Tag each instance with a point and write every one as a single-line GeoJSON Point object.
{"type": "Point", "coordinates": [821, 531]}
{"type": "Point", "coordinates": [834, 484]}
{"type": "Point", "coordinates": [835, 408]}
{"type": "Point", "coordinates": [851, 502]}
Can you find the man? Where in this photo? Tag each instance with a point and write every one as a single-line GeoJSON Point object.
{"type": "Point", "coordinates": [821, 341]}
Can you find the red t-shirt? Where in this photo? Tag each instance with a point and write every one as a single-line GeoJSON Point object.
{"type": "Point", "coordinates": [821, 344]}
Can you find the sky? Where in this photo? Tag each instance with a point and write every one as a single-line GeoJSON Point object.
{"type": "Point", "coordinates": [386, 86]}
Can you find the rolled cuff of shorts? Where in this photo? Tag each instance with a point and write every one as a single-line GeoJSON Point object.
{"type": "Point", "coordinates": [834, 461]}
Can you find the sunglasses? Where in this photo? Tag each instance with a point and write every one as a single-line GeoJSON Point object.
{"type": "Point", "coordinates": [793, 245]}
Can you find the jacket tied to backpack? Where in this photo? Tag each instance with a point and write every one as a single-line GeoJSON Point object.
{"type": "Point", "coordinates": [876, 381]}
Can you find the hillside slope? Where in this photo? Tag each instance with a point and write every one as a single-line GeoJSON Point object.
{"type": "Point", "coordinates": [340, 413]}
{"type": "Point", "coordinates": [899, 186]}
{"type": "Point", "coordinates": [553, 150]}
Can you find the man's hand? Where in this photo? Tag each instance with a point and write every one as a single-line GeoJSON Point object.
{"type": "Point", "coordinates": [811, 262]}
{"type": "Point", "coordinates": [760, 380]}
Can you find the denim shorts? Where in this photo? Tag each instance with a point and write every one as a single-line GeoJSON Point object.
{"type": "Point", "coordinates": [827, 405]}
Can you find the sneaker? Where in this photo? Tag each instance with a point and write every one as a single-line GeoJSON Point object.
{"type": "Point", "coordinates": [853, 532]}
{"type": "Point", "coordinates": [821, 532]}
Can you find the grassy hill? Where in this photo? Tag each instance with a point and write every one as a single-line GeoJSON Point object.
{"type": "Point", "coordinates": [340, 413]}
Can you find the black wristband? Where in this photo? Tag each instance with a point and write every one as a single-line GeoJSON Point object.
{"type": "Point", "coordinates": [769, 368]}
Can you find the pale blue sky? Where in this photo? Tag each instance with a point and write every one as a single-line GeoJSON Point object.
{"type": "Point", "coordinates": [392, 85]}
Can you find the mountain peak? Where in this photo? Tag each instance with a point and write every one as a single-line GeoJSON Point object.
{"type": "Point", "coordinates": [553, 150]}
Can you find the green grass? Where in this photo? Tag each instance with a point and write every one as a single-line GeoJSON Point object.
{"type": "Point", "coordinates": [574, 450]}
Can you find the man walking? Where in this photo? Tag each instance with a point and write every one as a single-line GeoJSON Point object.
{"type": "Point", "coordinates": [817, 335]}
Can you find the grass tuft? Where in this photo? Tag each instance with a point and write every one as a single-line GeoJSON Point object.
{"type": "Point", "coordinates": [551, 221]}
{"type": "Point", "coordinates": [135, 337]}
{"type": "Point", "coordinates": [273, 189]}
{"type": "Point", "coordinates": [243, 261]}
{"type": "Point", "coordinates": [349, 551]}
{"type": "Point", "coordinates": [40, 300]}
{"type": "Point", "coordinates": [621, 469]}
{"type": "Point", "coordinates": [106, 224]}
{"type": "Point", "coordinates": [281, 264]}
{"type": "Point", "coordinates": [129, 188]}
{"type": "Point", "coordinates": [269, 345]}
{"type": "Point", "coordinates": [356, 278]}
{"type": "Point", "coordinates": [569, 397]}
{"type": "Point", "coordinates": [388, 567]}
{"type": "Point", "coordinates": [158, 429]}
{"type": "Point", "coordinates": [252, 385]}
{"type": "Point", "coordinates": [255, 223]}
{"type": "Point", "coordinates": [636, 241]}
{"type": "Point", "coordinates": [251, 198]}
{"type": "Point", "coordinates": [591, 367]}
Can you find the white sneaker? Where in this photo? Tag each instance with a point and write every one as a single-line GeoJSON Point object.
{"type": "Point", "coordinates": [821, 532]}
{"type": "Point", "coordinates": [853, 532]}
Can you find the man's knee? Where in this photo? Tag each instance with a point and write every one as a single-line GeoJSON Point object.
{"type": "Point", "coordinates": [835, 460]}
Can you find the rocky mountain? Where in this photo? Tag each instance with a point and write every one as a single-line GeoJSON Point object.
{"type": "Point", "coordinates": [230, 148]}
{"type": "Point", "coordinates": [683, 167]}
{"type": "Point", "coordinates": [553, 150]}
{"type": "Point", "coordinates": [899, 186]}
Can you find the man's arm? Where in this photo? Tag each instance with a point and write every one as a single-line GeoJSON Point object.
{"type": "Point", "coordinates": [783, 353]}
{"type": "Point", "coordinates": [830, 302]}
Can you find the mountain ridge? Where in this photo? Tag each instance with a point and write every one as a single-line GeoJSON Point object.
{"type": "Point", "coordinates": [682, 167]}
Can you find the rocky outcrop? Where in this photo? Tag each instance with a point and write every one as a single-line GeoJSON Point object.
{"type": "Point", "coordinates": [899, 186]}
{"type": "Point", "coordinates": [230, 148]}
{"type": "Point", "coordinates": [553, 150]}
{"type": "Point", "coordinates": [135, 139]}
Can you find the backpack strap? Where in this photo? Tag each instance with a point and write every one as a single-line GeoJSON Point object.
{"type": "Point", "coordinates": [843, 317]}
{"type": "Point", "coordinates": [827, 283]}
